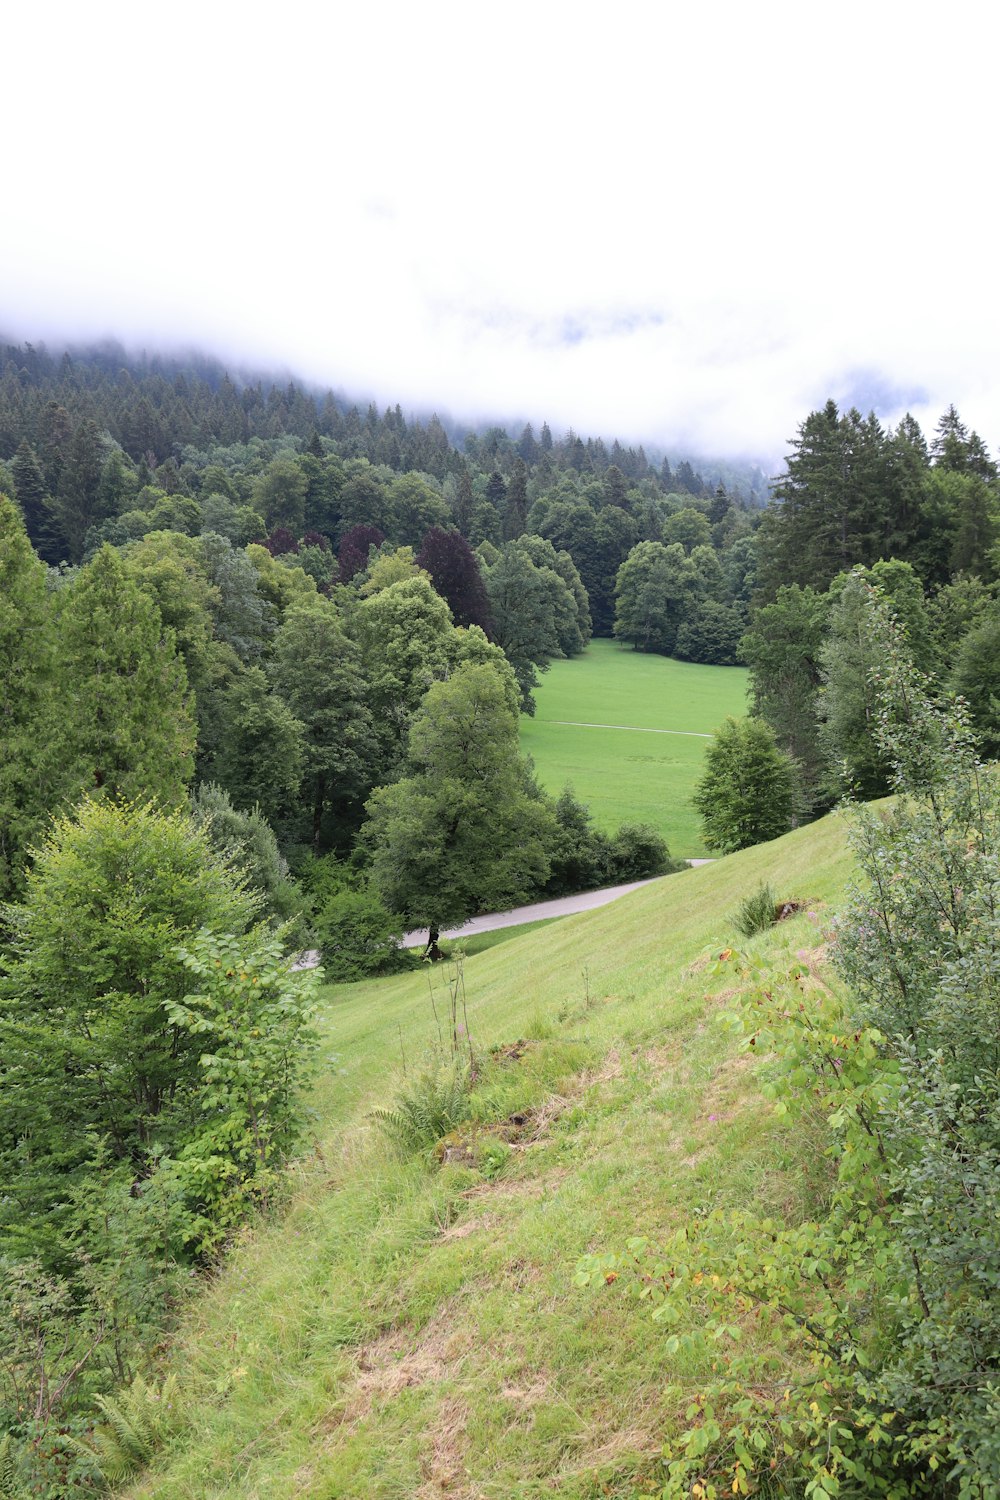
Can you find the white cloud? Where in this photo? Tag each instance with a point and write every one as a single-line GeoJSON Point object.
{"type": "Point", "coordinates": [688, 228]}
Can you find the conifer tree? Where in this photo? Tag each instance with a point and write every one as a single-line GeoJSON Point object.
{"type": "Point", "coordinates": [516, 502]}
{"type": "Point", "coordinates": [127, 722]}
{"type": "Point", "coordinates": [27, 764]}
{"type": "Point", "coordinates": [29, 489]}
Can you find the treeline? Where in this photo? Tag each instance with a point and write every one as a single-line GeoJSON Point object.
{"type": "Point", "coordinates": [99, 449]}
{"type": "Point", "coordinates": [102, 451]}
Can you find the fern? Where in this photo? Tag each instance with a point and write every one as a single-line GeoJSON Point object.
{"type": "Point", "coordinates": [137, 1423]}
{"type": "Point", "coordinates": [10, 1486]}
{"type": "Point", "coordinates": [427, 1106]}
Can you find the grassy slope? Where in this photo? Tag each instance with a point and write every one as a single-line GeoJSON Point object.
{"type": "Point", "coordinates": [406, 1331]}
{"type": "Point", "coordinates": [653, 775]}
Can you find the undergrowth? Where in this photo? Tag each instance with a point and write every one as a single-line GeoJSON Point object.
{"type": "Point", "coordinates": [428, 1104]}
{"type": "Point", "coordinates": [756, 913]}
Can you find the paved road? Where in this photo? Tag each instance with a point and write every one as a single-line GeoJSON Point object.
{"type": "Point", "coordinates": [563, 906]}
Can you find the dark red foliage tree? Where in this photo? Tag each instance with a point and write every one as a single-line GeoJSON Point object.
{"type": "Point", "coordinates": [280, 541]}
{"type": "Point", "coordinates": [354, 545]}
{"type": "Point", "coordinates": [454, 571]}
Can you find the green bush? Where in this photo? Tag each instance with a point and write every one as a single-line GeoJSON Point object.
{"type": "Point", "coordinates": [582, 857]}
{"type": "Point", "coordinates": [357, 936]}
{"type": "Point", "coordinates": [638, 852]}
{"type": "Point", "coordinates": [253, 1022]}
{"type": "Point", "coordinates": [757, 912]}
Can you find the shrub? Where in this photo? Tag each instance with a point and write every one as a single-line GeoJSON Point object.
{"type": "Point", "coordinates": [756, 912]}
{"type": "Point", "coordinates": [253, 1023]}
{"type": "Point", "coordinates": [582, 857]}
{"type": "Point", "coordinates": [638, 852]}
{"type": "Point", "coordinates": [358, 936]}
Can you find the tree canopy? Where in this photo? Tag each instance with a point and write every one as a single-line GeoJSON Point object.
{"type": "Point", "coordinates": [465, 830]}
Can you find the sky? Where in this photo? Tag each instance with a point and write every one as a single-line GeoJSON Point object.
{"type": "Point", "coordinates": [683, 225]}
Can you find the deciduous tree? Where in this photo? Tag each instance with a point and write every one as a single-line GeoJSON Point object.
{"type": "Point", "coordinates": [463, 832]}
{"type": "Point", "coordinates": [87, 1046]}
{"type": "Point", "coordinates": [128, 729]}
{"type": "Point", "coordinates": [316, 670]}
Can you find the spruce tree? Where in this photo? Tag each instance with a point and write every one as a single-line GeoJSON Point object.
{"type": "Point", "coordinates": [29, 490]}
{"type": "Point", "coordinates": [128, 726]}
{"type": "Point", "coordinates": [27, 764]}
{"type": "Point", "coordinates": [516, 503]}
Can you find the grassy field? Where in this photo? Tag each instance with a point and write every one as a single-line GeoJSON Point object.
{"type": "Point", "coordinates": [410, 1331]}
{"type": "Point", "coordinates": [622, 775]}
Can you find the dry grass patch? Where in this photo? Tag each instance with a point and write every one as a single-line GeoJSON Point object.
{"type": "Point", "coordinates": [399, 1359]}
{"type": "Point", "coordinates": [728, 1093]}
{"type": "Point", "coordinates": [443, 1466]}
{"type": "Point", "coordinates": [663, 1058]}
{"type": "Point", "coordinates": [462, 1230]}
{"type": "Point", "coordinates": [526, 1189]}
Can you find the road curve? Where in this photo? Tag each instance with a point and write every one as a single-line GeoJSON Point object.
{"type": "Point", "coordinates": [563, 906]}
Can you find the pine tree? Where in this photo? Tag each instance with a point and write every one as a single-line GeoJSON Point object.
{"type": "Point", "coordinates": [128, 726]}
{"type": "Point", "coordinates": [950, 449]}
{"type": "Point", "coordinates": [27, 725]}
{"type": "Point", "coordinates": [516, 506]}
{"type": "Point", "coordinates": [75, 505]}
{"type": "Point", "coordinates": [615, 488]}
{"type": "Point", "coordinates": [29, 490]}
{"type": "Point", "coordinates": [463, 501]}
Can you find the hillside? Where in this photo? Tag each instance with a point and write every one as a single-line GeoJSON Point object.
{"type": "Point", "coordinates": [414, 1330]}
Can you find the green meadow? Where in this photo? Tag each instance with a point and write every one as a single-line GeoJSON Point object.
{"type": "Point", "coordinates": [405, 1330]}
{"type": "Point", "coordinates": [623, 774]}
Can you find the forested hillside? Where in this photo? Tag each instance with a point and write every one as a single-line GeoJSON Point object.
{"type": "Point", "coordinates": [259, 492]}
